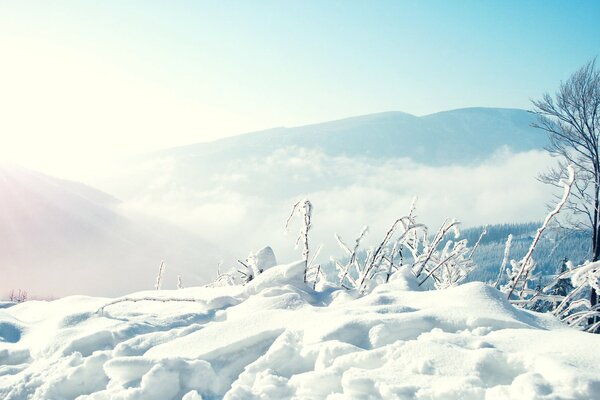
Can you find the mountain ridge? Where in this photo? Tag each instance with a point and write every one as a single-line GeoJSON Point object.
{"type": "Point", "coordinates": [447, 137]}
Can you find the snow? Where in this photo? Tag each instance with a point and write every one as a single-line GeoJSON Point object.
{"type": "Point", "coordinates": [276, 338]}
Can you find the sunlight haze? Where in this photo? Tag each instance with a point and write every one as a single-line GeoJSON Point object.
{"type": "Point", "coordinates": [299, 199]}
{"type": "Point", "coordinates": [84, 83]}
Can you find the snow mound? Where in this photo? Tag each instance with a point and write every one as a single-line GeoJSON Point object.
{"type": "Point", "coordinates": [276, 338]}
{"type": "Point", "coordinates": [264, 259]}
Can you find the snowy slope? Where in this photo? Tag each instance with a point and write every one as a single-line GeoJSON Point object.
{"type": "Point", "coordinates": [60, 237]}
{"type": "Point", "coordinates": [277, 339]}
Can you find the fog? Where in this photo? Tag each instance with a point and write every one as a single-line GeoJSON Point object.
{"type": "Point", "coordinates": [244, 205]}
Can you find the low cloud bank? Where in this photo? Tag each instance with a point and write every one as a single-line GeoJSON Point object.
{"type": "Point", "coordinates": [244, 204]}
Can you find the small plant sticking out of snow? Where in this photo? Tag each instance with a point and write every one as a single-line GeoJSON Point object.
{"type": "Point", "coordinates": [344, 270]}
{"type": "Point", "coordinates": [223, 278]}
{"type": "Point", "coordinates": [247, 272]}
{"type": "Point", "coordinates": [18, 296]}
{"type": "Point", "coordinates": [159, 276]}
{"type": "Point", "coordinates": [303, 209]}
{"type": "Point", "coordinates": [256, 263]}
{"type": "Point", "coordinates": [505, 259]}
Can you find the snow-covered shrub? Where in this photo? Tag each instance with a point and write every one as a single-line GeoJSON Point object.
{"type": "Point", "coordinates": [407, 244]}
{"type": "Point", "coordinates": [575, 308]}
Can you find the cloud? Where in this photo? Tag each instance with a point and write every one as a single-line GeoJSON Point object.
{"type": "Point", "coordinates": [245, 205]}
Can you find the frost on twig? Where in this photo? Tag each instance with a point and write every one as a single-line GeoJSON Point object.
{"type": "Point", "coordinates": [407, 240]}
{"type": "Point", "coordinates": [223, 278]}
{"type": "Point", "coordinates": [19, 296]}
{"type": "Point", "coordinates": [352, 257]}
{"type": "Point", "coordinates": [159, 276]}
{"type": "Point", "coordinates": [302, 208]}
{"type": "Point", "coordinates": [505, 259]}
{"type": "Point", "coordinates": [155, 299]}
{"type": "Point", "coordinates": [520, 271]}
{"type": "Point", "coordinates": [483, 233]}
{"type": "Point", "coordinates": [575, 308]}
{"type": "Point", "coordinates": [246, 272]}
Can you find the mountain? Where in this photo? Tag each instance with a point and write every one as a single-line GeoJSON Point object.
{"type": "Point", "coordinates": [60, 237]}
{"type": "Point", "coordinates": [458, 136]}
{"type": "Point", "coordinates": [284, 158]}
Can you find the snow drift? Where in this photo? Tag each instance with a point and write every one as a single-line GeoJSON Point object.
{"type": "Point", "coordinates": [276, 338]}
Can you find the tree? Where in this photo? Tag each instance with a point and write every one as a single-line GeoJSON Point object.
{"type": "Point", "coordinates": [562, 286]}
{"type": "Point", "coordinates": [572, 121]}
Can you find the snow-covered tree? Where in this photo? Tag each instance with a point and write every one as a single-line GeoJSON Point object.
{"type": "Point", "coordinates": [571, 118]}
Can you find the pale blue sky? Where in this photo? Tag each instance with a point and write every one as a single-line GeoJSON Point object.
{"type": "Point", "coordinates": [124, 76]}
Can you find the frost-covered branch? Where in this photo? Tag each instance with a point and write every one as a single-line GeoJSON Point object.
{"type": "Point", "coordinates": [304, 209]}
{"type": "Point", "coordinates": [430, 248]}
{"type": "Point", "coordinates": [483, 233]}
{"type": "Point", "coordinates": [351, 253]}
{"type": "Point", "coordinates": [446, 267]}
{"type": "Point", "coordinates": [378, 254]}
{"type": "Point", "coordinates": [576, 309]}
{"type": "Point", "coordinates": [522, 269]}
{"type": "Point", "coordinates": [505, 259]}
{"type": "Point", "coordinates": [159, 276]}
{"type": "Point", "coordinates": [223, 278]}
{"type": "Point", "coordinates": [156, 299]}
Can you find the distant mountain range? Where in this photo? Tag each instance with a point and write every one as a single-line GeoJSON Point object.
{"type": "Point", "coordinates": [463, 137]}
{"type": "Point", "coordinates": [458, 136]}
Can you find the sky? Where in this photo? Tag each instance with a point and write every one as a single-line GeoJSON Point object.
{"type": "Point", "coordinates": [83, 83]}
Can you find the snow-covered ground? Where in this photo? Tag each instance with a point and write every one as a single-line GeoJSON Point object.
{"type": "Point", "coordinates": [276, 338]}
